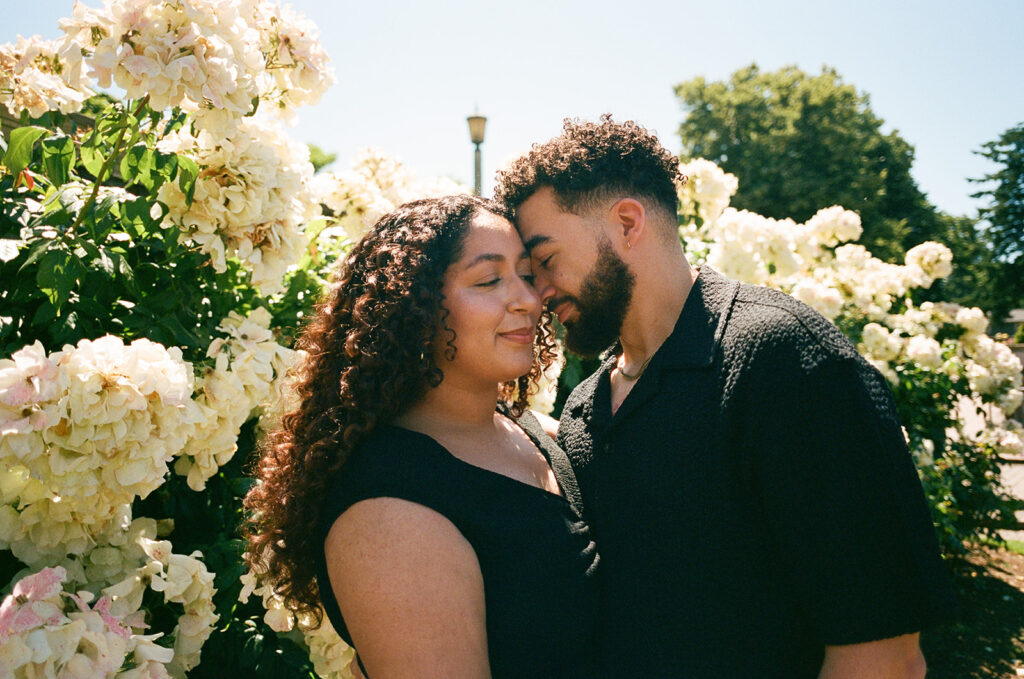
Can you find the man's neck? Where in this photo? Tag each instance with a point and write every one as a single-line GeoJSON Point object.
{"type": "Point", "coordinates": [658, 299]}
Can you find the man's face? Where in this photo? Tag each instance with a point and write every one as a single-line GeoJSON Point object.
{"type": "Point", "coordinates": [577, 272]}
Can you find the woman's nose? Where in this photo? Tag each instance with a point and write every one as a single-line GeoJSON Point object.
{"type": "Point", "coordinates": [524, 298]}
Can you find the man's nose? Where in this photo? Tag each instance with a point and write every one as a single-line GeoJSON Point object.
{"type": "Point", "coordinates": [545, 290]}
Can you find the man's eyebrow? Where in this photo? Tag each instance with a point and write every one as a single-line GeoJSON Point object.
{"type": "Point", "coordinates": [534, 241]}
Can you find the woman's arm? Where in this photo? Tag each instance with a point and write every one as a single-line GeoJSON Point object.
{"type": "Point", "coordinates": [410, 587]}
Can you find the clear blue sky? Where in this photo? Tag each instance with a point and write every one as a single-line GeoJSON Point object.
{"type": "Point", "coordinates": [948, 76]}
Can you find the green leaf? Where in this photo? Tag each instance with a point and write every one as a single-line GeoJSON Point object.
{"type": "Point", "coordinates": [58, 158]}
{"type": "Point", "coordinates": [126, 273]}
{"type": "Point", "coordinates": [55, 278]}
{"type": "Point", "coordinates": [36, 251]}
{"type": "Point", "coordinates": [92, 155]}
{"type": "Point", "coordinates": [165, 167]}
{"type": "Point", "coordinates": [19, 151]}
{"type": "Point", "coordinates": [188, 172]}
{"type": "Point", "coordinates": [138, 165]}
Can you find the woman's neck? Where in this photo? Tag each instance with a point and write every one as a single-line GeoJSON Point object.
{"type": "Point", "coordinates": [453, 410]}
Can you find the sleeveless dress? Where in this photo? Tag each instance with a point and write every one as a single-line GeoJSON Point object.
{"type": "Point", "coordinates": [535, 552]}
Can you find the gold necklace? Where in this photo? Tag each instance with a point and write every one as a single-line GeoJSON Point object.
{"type": "Point", "coordinates": [639, 372]}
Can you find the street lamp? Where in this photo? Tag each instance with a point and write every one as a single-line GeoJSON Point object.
{"type": "Point", "coordinates": [476, 134]}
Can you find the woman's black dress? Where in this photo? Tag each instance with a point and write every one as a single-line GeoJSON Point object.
{"type": "Point", "coordinates": [535, 552]}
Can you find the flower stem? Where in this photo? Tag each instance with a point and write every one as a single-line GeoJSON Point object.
{"type": "Point", "coordinates": [101, 176]}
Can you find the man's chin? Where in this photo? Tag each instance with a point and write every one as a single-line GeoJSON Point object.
{"type": "Point", "coordinates": [585, 345]}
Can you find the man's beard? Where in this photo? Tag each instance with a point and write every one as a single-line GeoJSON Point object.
{"type": "Point", "coordinates": [601, 305]}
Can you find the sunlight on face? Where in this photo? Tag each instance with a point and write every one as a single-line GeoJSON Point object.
{"type": "Point", "coordinates": [492, 306]}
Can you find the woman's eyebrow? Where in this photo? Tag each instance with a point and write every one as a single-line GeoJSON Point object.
{"type": "Point", "coordinates": [486, 257]}
{"type": "Point", "coordinates": [494, 257]}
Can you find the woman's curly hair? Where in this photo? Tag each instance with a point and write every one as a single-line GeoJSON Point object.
{"type": "Point", "coordinates": [369, 356]}
{"type": "Point", "coordinates": [589, 162]}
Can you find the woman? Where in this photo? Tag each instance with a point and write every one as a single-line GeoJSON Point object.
{"type": "Point", "coordinates": [411, 491]}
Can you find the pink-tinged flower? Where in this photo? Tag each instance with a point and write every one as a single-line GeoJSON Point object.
{"type": "Point", "coordinates": [102, 606]}
{"type": "Point", "coordinates": [45, 584]}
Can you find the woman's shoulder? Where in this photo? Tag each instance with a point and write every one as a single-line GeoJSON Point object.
{"type": "Point", "coordinates": [389, 462]}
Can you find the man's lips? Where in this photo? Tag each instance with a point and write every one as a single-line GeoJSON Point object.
{"type": "Point", "coordinates": [562, 309]}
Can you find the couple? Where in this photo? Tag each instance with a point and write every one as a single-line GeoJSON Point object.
{"type": "Point", "coordinates": [730, 494]}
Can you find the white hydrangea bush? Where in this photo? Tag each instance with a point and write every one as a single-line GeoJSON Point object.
{"type": "Point", "coordinates": [932, 346]}
{"type": "Point", "coordinates": [252, 199]}
{"type": "Point", "coordinates": [37, 640]}
{"type": "Point", "coordinates": [247, 375]}
{"type": "Point", "coordinates": [86, 430]}
{"type": "Point", "coordinates": [373, 186]}
{"type": "Point", "coordinates": [49, 630]}
{"type": "Point", "coordinates": [93, 430]}
{"type": "Point", "coordinates": [33, 78]}
{"type": "Point", "coordinates": [210, 58]}
{"type": "Point", "coordinates": [331, 656]}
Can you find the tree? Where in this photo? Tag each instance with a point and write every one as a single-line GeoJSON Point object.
{"type": "Point", "coordinates": [801, 143]}
{"type": "Point", "coordinates": [1004, 217]}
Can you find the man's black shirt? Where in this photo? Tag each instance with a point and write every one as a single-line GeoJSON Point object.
{"type": "Point", "coordinates": [753, 498]}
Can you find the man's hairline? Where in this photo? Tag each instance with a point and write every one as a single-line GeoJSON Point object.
{"type": "Point", "coordinates": [585, 213]}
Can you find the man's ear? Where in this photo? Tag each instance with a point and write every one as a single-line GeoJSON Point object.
{"type": "Point", "coordinates": [629, 219]}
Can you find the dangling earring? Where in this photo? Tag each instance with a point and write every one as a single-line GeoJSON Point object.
{"type": "Point", "coordinates": [628, 246]}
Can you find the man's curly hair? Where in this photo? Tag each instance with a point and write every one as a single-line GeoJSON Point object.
{"type": "Point", "coordinates": [370, 351]}
{"type": "Point", "coordinates": [593, 162]}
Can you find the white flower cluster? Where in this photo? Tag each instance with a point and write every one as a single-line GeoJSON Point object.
{"type": "Point", "coordinates": [297, 66]}
{"type": "Point", "coordinates": [707, 190]}
{"type": "Point", "coordinates": [46, 631]}
{"type": "Point", "coordinates": [127, 562]}
{"type": "Point", "coordinates": [190, 54]}
{"type": "Point", "coordinates": [248, 373]}
{"type": "Point", "coordinates": [33, 78]}
{"type": "Point", "coordinates": [817, 263]}
{"type": "Point", "coordinates": [375, 185]}
{"type": "Point", "coordinates": [84, 432]}
{"type": "Point", "coordinates": [331, 656]}
{"type": "Point", "coordinates": [994, 372]}
{"type": "Point", "coordinates": [252, 198]}
{"type": "Point", "coordinates": [213, 58]}
{"type": "Point", "coordinates": [927, 262]}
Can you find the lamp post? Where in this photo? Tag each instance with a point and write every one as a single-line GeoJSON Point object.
{"type": "Point", "coordinates": [476, 134]}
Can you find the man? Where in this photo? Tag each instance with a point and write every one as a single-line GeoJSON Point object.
{"type": "Point", "coordinates": [755, 506]}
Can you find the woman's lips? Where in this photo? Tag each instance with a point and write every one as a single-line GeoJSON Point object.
{"type": "Point", "coordinates": [522, 336]}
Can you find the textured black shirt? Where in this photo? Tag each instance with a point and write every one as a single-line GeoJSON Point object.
{"type": "Point", "coordinates": [753, 497]}
{"type": "Point", "coordinates": [535, 553]}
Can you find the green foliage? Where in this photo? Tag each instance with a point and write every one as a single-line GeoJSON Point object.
{"type": "Point", "coordinates": [320, 158]}
{"type": "Point", "coordinates": [800, 143]}
{"type": "Point", "coordinates": [93, 257]}
{"type": "Point", "coordinates": [1005, 217]}
{"type": "Point", "coordinates": [961, 481]}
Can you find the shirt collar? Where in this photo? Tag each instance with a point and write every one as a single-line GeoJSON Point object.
{"type": "Point", "coordinates": [698, 331]}
{"type": "Point", "coordinates": [694, 340]}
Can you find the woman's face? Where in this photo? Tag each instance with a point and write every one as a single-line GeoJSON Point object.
{"type": "Point", "coordinates": [492, 305]}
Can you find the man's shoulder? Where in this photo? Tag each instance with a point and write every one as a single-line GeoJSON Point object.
{"type": "Point", "coordinates": [768, 325]}
{"type": "Point", "coordinates": [583, 393]}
